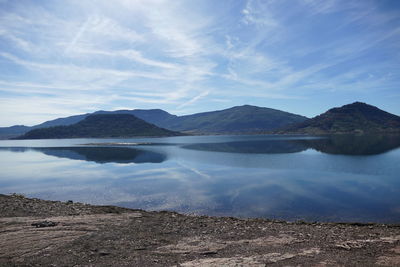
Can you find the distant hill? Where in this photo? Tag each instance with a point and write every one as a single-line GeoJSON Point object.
{"type": "Point", "coordinates": [237, 120]}
{"type": "Point", "coordinates": [61, 121]}
{"type": "Point", "coordinates": [13, 131]}
{"type": "Point", "coordinates": [240, 119]}
{"type": "Point", "coordinates": [99, 126]}
{"type": "Point", "coordinates": [352, 118]}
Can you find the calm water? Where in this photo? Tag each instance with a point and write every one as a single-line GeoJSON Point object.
{"type": "Point", "coordinates": [284, 177]}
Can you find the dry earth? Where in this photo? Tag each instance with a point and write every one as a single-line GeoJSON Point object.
{"type": "Point", "coordinates": [83, 235]}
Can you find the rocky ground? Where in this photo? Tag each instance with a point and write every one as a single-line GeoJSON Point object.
{"type": "Point", "coordinates": [36, 232]}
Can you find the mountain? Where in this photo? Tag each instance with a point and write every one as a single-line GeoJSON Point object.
{"type": "Point", "coordinates": [240, 119]}
{"type": "Point", "coordinates": [352, 118]}
{"type": "Point", "coordinates": [99, 126]}
{"type": "Point", "coordinates": [237, 120]}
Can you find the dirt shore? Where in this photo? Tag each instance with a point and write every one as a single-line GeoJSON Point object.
{"type": "Point", "coordinates": [37, 232]}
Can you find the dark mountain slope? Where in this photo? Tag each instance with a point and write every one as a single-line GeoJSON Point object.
{"type": "Point", "coordinates": [352, 118]}
{"type": "Point", "coordinates": [101, 125]}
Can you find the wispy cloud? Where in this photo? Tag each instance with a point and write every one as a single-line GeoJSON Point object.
{"type": "Point", "coordinates": [194, 99]}
{"type": "Point", "coordinates": [129, 54]}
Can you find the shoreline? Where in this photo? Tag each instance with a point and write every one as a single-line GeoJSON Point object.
{"type": "Point", "coordinates": [36, 232]}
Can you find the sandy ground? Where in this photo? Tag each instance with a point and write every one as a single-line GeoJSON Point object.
{"type": "Point", "coordinates": [75, 234]}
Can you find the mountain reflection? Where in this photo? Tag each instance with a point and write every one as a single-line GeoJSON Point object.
{"type": "Point", "coordinates": [256, 147]}
{"type": "Point", "coordinates": [339, 144]}
{"type": "Point", "coordinates": [354, 144]}
{"type": "Point", "coordinates": [100, 154]}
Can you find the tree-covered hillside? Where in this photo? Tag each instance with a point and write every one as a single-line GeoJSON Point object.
{"type": "Point", "coordinates": [101, 125]}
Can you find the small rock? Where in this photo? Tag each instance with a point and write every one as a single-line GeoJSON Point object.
{"type": "Point", "coordinates": [104, 253]}
{"type": "Point", "coordinates": [347, 245]}
{"type": "Point", "coordinates": [343, 246]}
{"type": "Point", "coordinates": [44, 224]}
{"type": "Point", "coordinates": [209, 252]}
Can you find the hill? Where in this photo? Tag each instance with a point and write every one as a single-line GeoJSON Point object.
{"type": "Point", "coordinates": [99, 126]}
{"type": "Point", "coordinates": [352, 118]}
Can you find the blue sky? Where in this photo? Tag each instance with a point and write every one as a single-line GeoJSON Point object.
{"type": "Point", "coordinates": [60, 58]}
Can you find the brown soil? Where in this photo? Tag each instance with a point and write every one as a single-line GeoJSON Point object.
{"type": "Point", "coordinates": [86, 235]}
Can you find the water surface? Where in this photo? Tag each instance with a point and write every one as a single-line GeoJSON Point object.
{"type": "Point", "coordinates": [342, 178]}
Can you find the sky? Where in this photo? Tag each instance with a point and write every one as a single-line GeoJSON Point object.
{"type": "Point", "coordinates": [61, 58]}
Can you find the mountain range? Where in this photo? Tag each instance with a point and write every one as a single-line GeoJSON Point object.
{"type": "Point", "coordinates": [352, 118]}
{"type": "Point", "coordinates": [236, 120]}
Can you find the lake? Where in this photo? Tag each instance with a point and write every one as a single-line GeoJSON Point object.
{"type": "Point", "coordinates": [340, 178]}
